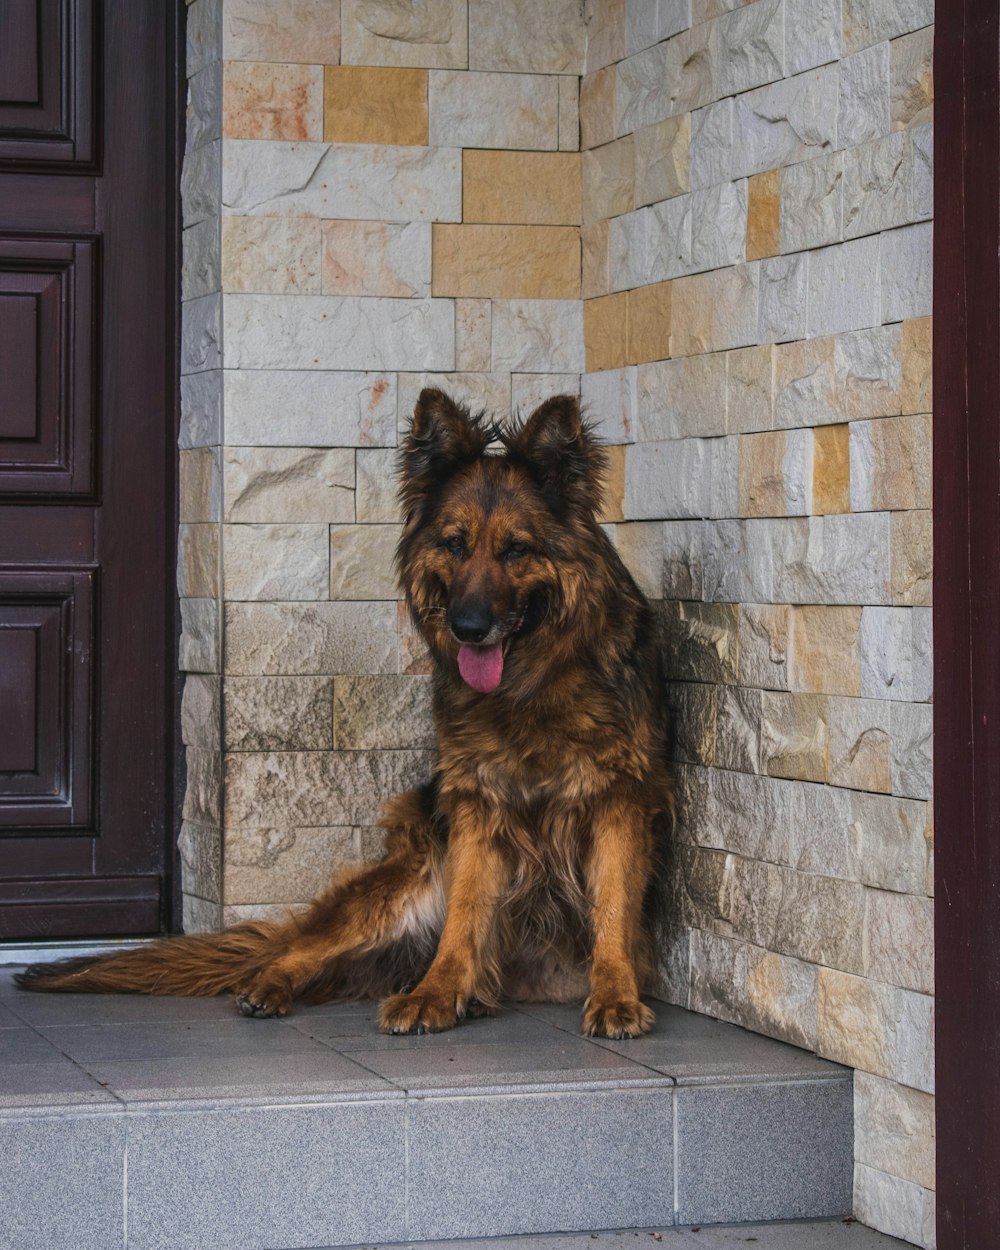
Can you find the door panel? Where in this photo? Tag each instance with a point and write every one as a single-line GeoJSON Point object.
{"type": "Point", "coordinates": [88, 101]}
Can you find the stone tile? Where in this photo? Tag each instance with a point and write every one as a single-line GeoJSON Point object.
{"type": "Point", "coordinates": [597, 107]}
{"type": "Point", "coordinates": [747, 47]}
{"type": "Point", "coordinates": [200, 485]}
{"type": "Point", "coordinates": [279, 713]}
{"type": "Point", "coordinates": [201, 711]}
{"type": "Point", "coordinates": [201, 270]}
{"type": "Point", "coordinates": [894, 1128]}
{"type": "Point", "coordinates": [912, 557]}
{"type": "Point", "coordinates": [284, 865]}
{"type": "Point", "coordinates": [923, 171]}
{"type": "Point", "coordinates": [383, 713]}
{"type": "Point", "coordinates": [201, 409]}
{"type": "Point", "coordinates": [915, 1040]}
{"type": "Point", "coordinates": [682, 398]}
{"type": "Point", "coordinates": [911, 79]}
{"type": "Point", "coordinates": [605, 33]}
{"type": "Point", "coordinates": [203, 30]}
{"type": "Point", "coordinates": [538, 336]}
{"type": "Point", "coordinates": [821, 920]}
{"type": "Point", "coordinates": [362, 562]}
{"type": "Point", "coordinates": [738, 733]}
{"type": "Point", "coordinates": [373, 104]}
{"type": "Point", "coordinates": [473, 330]}
{"type": "Point", "coordinates": [197, 561]}
{"type": "Point", "coordinates": [701, 642]}
{"type": "Point", "coordinates": [863, 106]}
{"type": "Point", "coordinates": [201, 179]}
{"type": "Point", "coordinates": [764, 646]}
{"type": "Point", "coordinates": [271, 255]}
{"type": "Point", "coordinates": [311, 638]}
{"type": "Point", "coordinates": [668, 479]}
{"type": "Point", "coordinates": [361, 1143]}
{"type": "Point", "coordinates": [763, 236]}
{"type": "Point", "coordinates": [479, 110]}
{"type": "Point", "coordinates": [435, 35]}
{"type": "Point", "coordinates": [831, 486]}
{"type": "Point", "coordinates": [511, 1138]}
{"type": "Point", "coordinates": [327, 332]}
{"type": "Point", "coordinates": [683, 560]}
{"type": "Point", "coordinates": [761, 483]}
{"type": "Point", "coordinates": [916, 355]}
{"type": "Point", "coordinates": [609, 398]}
{"type": "Point", "coordinates": [569, 114]}
{"type": "Point", "coordinates": [350, 180]}
{"type": "Point", "coordinates": [812, 34]}
{"type": "Point", "coordinates": [275, 562]}
{"type": "Point", "coordinates": [718, 225]}
{"type": "Point", "coordinates": [521, 36]}
{"type": "Point", "coordinates": [794, 736]}
{"type": "Point", "coordinates": [878, 178]}
{"type": "Point", "coordinates": [786, 122]}
{"type": "Point", "coordinates": [507, 262]}
{"type": "Point", "coordinates": [649, 323]}
{"type": "Point", "coordinates": [203, 792]}
{"type": "Point", "coordinates": [521, 188]}
{"type": "Point", "coordinates": [414, 656]}
{"type": "Point", "coordinates": [890, 842]}
{"type": "Point", "coordinates": [886, 1202]}
{"type": "Point", "coordinates": [860, 744]}
{"type": "Point", "coordinates": [870, 21]}
{"type": "Point", "coordinates": [310, 408]}
{"type": "Point", "coordinates": [856, 1022]}
{"type": "Point", "coordinates": [262, 101]}
{"type": "Point", "coordinates": [317, 788]}
{"type": "Point", "coordinates": [790, 1146]}
{"type": "Point", "coordinates": [198, 650]}
{"type": "Point", "coordinates": [640, 545]}
{"type": "Point", "coordinates": [376, 258]}
{"type": "Point", "coordinates": [200, 850]}
{"type": "Point", "coordinates": [198, 915]}
{"type": "Point", "coordinates": [200, 334]}
{"type": "Point", "coordinates": [749, 388]}
{"type": "Point", "coordinates": [912, 742]}
{"type": "Point", "coordinates": [529, 391]}
{"type": "Point", "coordinates": [489, 391]}
{"type": "Point", "coordinates": [906, 272]}
{"type": "Point", "coordinates": [783, 288]}
{"type": "Point", "coordinates": [596, 277]}
{"type": "Point", "coordinates": [63, 1172]}
{"type": "Point", "coordinates": [826, 650]}
{"type": "Point", "coordinates": [711, 150]}
{"type": "Point", "coordinates": [648, 22]}
{"type": "Point", "coordinates": [715, 311]}
{"type": "Point", "coordinates": [59, 1085]}
{"type": "Point", "coordinates": [661, 160]}
{"type": "Point", "coordinates": [288, 484]}
{"type": "Point", "coordinates": [376, 496]}
{"type": "Point", "coordinates": [609, 180]}
{"type": "Point", "coordinates": [887, 653]}
{"type": "Point", "coordinates": [693, 708]}
{"type": "Point", "coordinates": [843, 293]}
{"type": "Point", "coordinates": [644, 89]}
{"type": "Point", "coordinates": [811, 203]}
{"type": "Point", "coordinates": [282, 30]}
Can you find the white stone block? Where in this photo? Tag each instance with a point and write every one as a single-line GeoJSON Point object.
{"type": "Point", "coordinates": [725, 472]}
{"type": "Point", "coordinates": [887, 653]}
{"type": "Point", "coordinates": [923, 654]}
{"type": "Point", "coordinates": [281, 484]}
{"type": "Point", "coordinates": [749, 390]}
{"type": "Point", "coordinates": [198, 649]}
{"type": "Point", "coordinates": [330, 332]}
{"type": "Point", "coordinates": [907, 272]}
{"type": "Point", "coordinates": [651, 21]}
{"type": "Point", "coordinates": [683, 559]}
{"type": "Point", "coordinates": [915, 1040]}
{"type": "Point", "coordinates": [342, 180]}
{"type": "Point", "coordinates": [897, 1207]}
{"type": "Point", "coordinates": [748, 47]}
{"type": "Point", "coordinates": [200, 334]}
{"type": "Point", "coordinates": [201, 409]}
{"type": "Point", "coordinates": [285, 562]}
{"type": "Point", "coordinates": [477, 391]}
{"type": "Point", "coordinates": [783, 293]}
{"type": "Point", "coordinates": [763, 646]}
{"type": "Point", "coordinates": [912, 754]}
{"type": "Point", "coordinates": [871, 21]}
{"type": "Point", "coordinates": [863, 106]}
{"type": "Point", "coordinates": [529, 390]}
{"type": "Point", "coordinates": [284, 31]}
{"type": "Point", "coordinates": [201, 182]}
{"type": "Point", "coordinates": [434, 34]}
{"type": "Point", "coordinates": [310, 408]}
{"type": "Point", "coordinates": [835, 559]}
{"type": "Point", "coordinates": [524, 36]}
{"type": "Point", "coordinates": [682, 398]}
{"type": "Point", "coordinates": [643, 89]}
{"type": "Point", "coordinates": [204, 34]}
{"type": "Point", "coordinates": [608, 180]}
{"type": "Point", "coordinates": [691, 68]}
{"type": "Point", "coordinates": [718, 225]}
{"type": "Point", "coordinates": [477, 110]}
{"type": "Point", "coordinates": [204, 107]}
{"type": "Point", "coordinates": [640, 545]}
{"type": "Point", "coordinates": [923, 171]}
{"type": "Point", "coordinates": [844, 287]}
{"type": "Point", "coordinates": [362, 564]}
{"type": "Point", "coordinates": [610, 401]}
{"type": "Point", "coordinates": [670, 239]}
{"type": "Point", "coordinates": [376, 494]}
{"type": "Point", "coordinates": [538, 336]}
{"type": "Point", "coordinates": [201, 269]}
{"type": "Point", "coordinates": [797, 472]}
{"type": "Point", "coordinates": [812, 34]}
{"type": "Point", "coordinates": [739, 559]}
{"type": "Point", "coordinates": [786, 122]}
{"type": "Point", "coordinates": [712, 144]}
{"type": "Point", "coordinates": [311, 638]}
{"type": "Point", "coordinates": [878, 178]}
{"type": "Point", "coordinates": [670, 479]}
{"type": "Point", "coordinates": [811, 203]}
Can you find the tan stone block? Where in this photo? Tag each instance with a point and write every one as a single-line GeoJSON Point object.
{"type": "Point", "coordinates": [820, 919]}
{"type": "Point", "coordinates": [609, 180]}
{"type": "Point", "coordinates": [831, 487]}
{"type": "Point", "coordinates": [201, 711]}
{"type": "Point", "coordinates": [200, 849]}
{"type": "Point", "coordinates": [279, 562]}
{"type": "Point", "coordinates": [781, 997]}
{"type": "Point", "coordinates": [894, 1129]}
{"type": "Point", "coordinates": [762, 474]}
{"type": "Point", "coordinates": [597, 108]}
{"type": "Point", "coordinates": [569, 114]}
{"type": "Point", "coordinates": [376, 258]}
{"type": "Point", "coordinates": [605, 332]}
{"type": "Point", "coordinates": [916, 351]}
{"type": "Point", "coordinates": [826, 650]}
{"type": "Point", "coordinates": [912, 548]}
{"type": "Point", "coordinates": [899, 940]}
{"type": "Point", "coordinates": [715, 311]}
{"type": "Point", "coordinates": [596, 272]}
{"type": "Point", "coordinates": [860, 749]}
{"type": "Point", "coordinates": [506, 262]}
{"type": "Point", "coordinates": [764, 215]}
{"type": "Point", "coordinates": [692, 708]}
{"type": "Point", "coordinates": [473, 335]}
{"type": "Point", "coordinates": [434, 34]}
{"type": "Point", "coordinates": [285, 864]}
{"type": "Point", "coordinates": [763, 645]}
{"type": "Point", "coordinates": [614, 486]}
{"type": "Point", "coordinates": [900, 449]}
{"type": "Point", "coordinates": [372, 104]}
{"type": "Point", "coordinates": [521, 188]}
{"type": "Point", "coordinates": [198, 561]}
{"type": "Point", "coordinates": [288, 484]}
{"type": "Point", "coordinates": [261, 101]}
{"type": "Point", "coordinates": [414, 656]}
{"type": "Point", "coordinates": [199, 484]}
{"type": "Point", "coordinates": [279, 713]}
{"type": "Point", "coordinates": [856, 1022]}
{"type": "Point", "coordinates": [649, 323]}
{"type": "Point", "coordinates": [605, 32]}
{"type": "Point", "coordinates": [804, 381]}
{"type": "Point", "coordinates": [749, 387]}
{"type": "Point", "coordinates": [661, 160]}
{"type": "Point", "coordinates": [203, 792]}
{"type": "Point", "coordinates": [362, 562]}
{"type": "Point", "coordinates": [382, 713]}
{"type": "Point", "coordinates": [311, 638]}
{"type": "Point", "coordinates": [271, 255]}
{"type": "Point", "coordinates": [794, 736]}
{"type": "Point", "coordinates": [523, 36]}
{"type": "Point", "coordinates": [911, 79]}
{"type": "Point", "coordinates": [307, 31]}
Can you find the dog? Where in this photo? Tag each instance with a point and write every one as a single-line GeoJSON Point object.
{"type": "Point", "coordinates": [527, 867]}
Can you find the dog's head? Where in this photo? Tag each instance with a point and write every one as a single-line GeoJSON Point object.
{"type": "Point", "coordinates": [494, 543]}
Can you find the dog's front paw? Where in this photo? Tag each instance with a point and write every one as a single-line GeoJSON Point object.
{"type": "Point", "coordinates": [422, 1011]}
{"type": "Point", "coordinates": [616, 1018]}
{"type": "Point", "coordinates": [263, 999]}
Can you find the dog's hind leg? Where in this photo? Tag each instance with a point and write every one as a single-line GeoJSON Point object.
{"type": "Point", "coordinates": [398, 902]}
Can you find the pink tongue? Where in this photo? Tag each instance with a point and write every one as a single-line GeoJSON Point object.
{"type": "Point", "coordinates": [481, 667]}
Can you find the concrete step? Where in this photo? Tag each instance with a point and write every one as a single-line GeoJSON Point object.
{"type": "Point", "coordinates": [175, 1124]}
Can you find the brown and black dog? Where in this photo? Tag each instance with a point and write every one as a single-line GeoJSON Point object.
{"type": "Point", "coordinates": [525, 868]}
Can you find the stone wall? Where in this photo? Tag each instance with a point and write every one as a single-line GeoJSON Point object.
{"type": "Point", "coordinates": [757, 264]}
{"type": "Point", "coordinates": [378, 194]}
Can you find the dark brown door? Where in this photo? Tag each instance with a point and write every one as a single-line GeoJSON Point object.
{"type": "Point", "coordinates": [87, 438]}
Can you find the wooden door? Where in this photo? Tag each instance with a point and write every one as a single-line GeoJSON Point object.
{"type": "Point", "coordinates": [87, 453]}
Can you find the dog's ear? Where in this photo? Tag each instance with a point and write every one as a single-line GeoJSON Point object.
{"type": "Point", "coordinates": [557, 447]}
{"type": "Point", "coordinates": [443, 437]}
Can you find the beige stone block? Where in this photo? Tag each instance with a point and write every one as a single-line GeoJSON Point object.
{"type": "Point", "coordinates": [274, 561]}
{"type": "Point", "coordinates": [820, 919]}
{"type": "Point", "coordinates": [762, 474]}
{"type": "Point", "coordinates": [640, 545]}
{"type": "Point", "coordinates": [612, 508]}
{"type": "Point", "coordinates": [605, 32]}
{"type": "Point", "coordinates": [684, 398]}
{"type": "Point", "coordinates": [507, 262]}
{"type": "Point", "coordinates": [383, 713]}
{"type": "Point", "coordinates": [895, 462]}
{"type": "Point", "coordinates": [911, 542]}
{"type": "Point", "coordinates": [198, 647]}
{"type": "Point", "coordinates": [661, 160]}
{"type": "Point", "coordinates": [521, 188]}
{"type": "Point", "coordinates": [763, 645]}
{"type": "Point", "coordinates": [414, 655]}
{"type": "Point", "coordinates": [569, 114]}
{"type": "Point", "coordinates": [311, 638]}
{"type": "Point", "coordinates": [199, 915]}
{"type": "Point", "coordinates": [749, 389]}
{"type": "Point", "coordinates": [692, 709]}
{"type": "Point", "coordinates": [740, 724]}
{"type": "Point", "coordinates": [856, 1022]}
{"type": "Point", "coordinates": [890, 842]}
{"type": "Point", "coordinates": [715, 311]}
{"type": "Point", "coordinates": [525, 36]}
{"type": "Point", "coordinates": [764, 215]}
{"type": "Point", "coordinates": [596, 272]}
{"type": "Point", "coordinates": [473, 333]}
{"type": "Point", "coordinates": [899, 940]}
{"type": "Point", "coordinates": [198, 561]}
{"type": "Point", "coordinates": [203, 792]}
{"type": "Point", "coordinates": [288, 484]}
{"type": "Point", "coordinates": [702, 642]}
{"type": "Point", "coordinates": [201, 711]}
{"type": "Point", "coordinates": [831, 484]}
{"type": "Point", "coordinates": [911, 79]}
{"type": "Point", "coordinates": [893, 1206]}
{"type": "Point", "coordinates": [860, 745]}
{"type": "Point", "coordinates": [372, 104]}
{"type": "Point", "coordinates": [794, 736]}
{"type": "Point", "coordinates": [307, 31]}
{"type": "Point", "coordinates": [781, 997]}
{"type": "Point", "coordinates": [649, 323]}
{"type": "Point", "coordinates": [376, 494]}
{"type": "Point", "coordinates": [609, 180]}
{"type": "Point", "coordinates": [597, 108]}
{"type": "Point", "coordinates": [279, 713]}
{"type": "Point", "coordinates": [362, 562]}
{"type": "Point", "coordinates": [916, 351]}
{"type": "Point", "coordinates": [605, 332]}
{"type": "Point", "coordinates": [805, 384]}
{"type": "Point", "coordinates": [529, 391]}
{"type": "Point", "coordinates": [376, 258]}
{"type": "Point", "coordinates": [482, 110]}
{"type": "Point", "coordinates": [200, 849]}
{"type": "Point", "coordinates": [826, 651]}
{"type": "Point", "coordinates": [284, 864]}
{"type": "Point", "coordinates": [271, 255]}
{"type": "Point", "coordinates": [262, 101]}
{"type": "Point", "coordinates": [199, 484]}
{"type": "Point", "coordinates": [894, 1129]}
{"type": "Point", "coordinates": [434, 34]}
{"type": "Point", "coordinates": [371, 839]}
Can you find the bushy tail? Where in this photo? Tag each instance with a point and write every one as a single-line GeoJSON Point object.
{"type": "Point", "coordinates": [196, 966]}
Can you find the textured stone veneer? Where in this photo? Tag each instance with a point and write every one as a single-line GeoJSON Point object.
{"type": "Point", "coordinates": [719, 215]}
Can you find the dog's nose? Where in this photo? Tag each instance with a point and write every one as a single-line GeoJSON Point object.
{"type": "Point", "coordinates": [470, 624]}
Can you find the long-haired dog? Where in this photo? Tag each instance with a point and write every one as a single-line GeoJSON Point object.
{"type": "Point", "coordinates": [525, 868]}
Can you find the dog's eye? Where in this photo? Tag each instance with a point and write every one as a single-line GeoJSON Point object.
{"type": "Point", "coordinates": [514, 552]}
{"type": "Point", "coordinates": [455, 544]}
